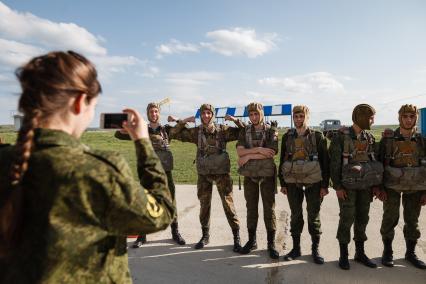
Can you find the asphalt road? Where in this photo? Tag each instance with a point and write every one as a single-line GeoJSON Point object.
{"type": "Point", "coordinates": [162, 261]}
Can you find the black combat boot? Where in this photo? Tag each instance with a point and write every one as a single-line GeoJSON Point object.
{"type": "Point", "coordinates": [343, 259]}
{"type": "Point", "coordinates": [237, 241]}
{"type": "Point", "coordinates": [251, 244]}
{"type": "Point", "coordinates": [176, 235]}
{"type": "Point", "coordinates": [411, 256]}
{"type": "Point", "coordinates": [387, 256]}
{"type": "Point", "coordinates": [204, 239]}
{"type": "Point", "coordinates": [140, 241]}
{"type": "Point", "coordinates": [295, 252]}
{"type": "Point", "coordinates": [273, 253]}
{"type": "Point", "coordinates": [318, 259]}
{"type": "Point", "coordinates": [361, 257]}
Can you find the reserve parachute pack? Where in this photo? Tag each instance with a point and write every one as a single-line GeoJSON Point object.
{"type": "Point", "coordinates": [160, 143]}
{"type": "Point", "coordinates": [212, 159]}
{"type": "Point", "coordinates": [301, 165]}
{"type": "Point", "coordinates": [360, 169]}
{"type": "Point", "coordinates": [404, 163]}
{"type": "Point", "coordinates": [257, 168]}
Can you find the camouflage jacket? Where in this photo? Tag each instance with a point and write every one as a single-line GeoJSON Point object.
{"type": "Point", "coordinates": [336, 154]}
{"type": "Point", "coordinates": [323, 158]}
{"type": "Point", "coordinates": [186, 134]}
{"type": "Point", "coordinates": [79, 206]}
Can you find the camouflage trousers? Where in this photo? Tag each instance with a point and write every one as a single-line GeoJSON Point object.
{"type": "Point", "coordinates": [266, 186]}
{"type": "Point", "coordinates": [412, 208]}
{"type": "Point", "coordinates": [172, 188]}
{"type": "Point", "coordinates": [354, 211]}
{"type": "Point", "coordinates": [295, 195]}
{"type": "Point", "coordinates": [204, 193]}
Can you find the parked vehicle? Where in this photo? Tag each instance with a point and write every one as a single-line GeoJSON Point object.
{"type": "Point", "coordinates": [330, 126]}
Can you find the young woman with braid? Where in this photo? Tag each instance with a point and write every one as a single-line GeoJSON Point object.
{"type": "Point", "coordinates": [65, 209]}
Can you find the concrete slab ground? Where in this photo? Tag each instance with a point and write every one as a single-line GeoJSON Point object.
{"type": "Point", "coordinates": [162, 261]}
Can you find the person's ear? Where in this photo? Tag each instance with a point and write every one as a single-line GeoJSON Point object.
{"type": "Point", "coordinates": [79, 103]}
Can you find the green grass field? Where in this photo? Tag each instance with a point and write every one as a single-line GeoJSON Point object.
{"type": "Point", "coordinates": [184, 153]}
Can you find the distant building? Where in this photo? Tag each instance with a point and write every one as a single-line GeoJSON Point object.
{"type": "Point", "coordinates": [17, 121]}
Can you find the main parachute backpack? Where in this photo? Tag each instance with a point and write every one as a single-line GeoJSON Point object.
{"type": "Point", "coordinates": [360, 169]}
{"type": "Point", "coordinates": [160, 143]}
{"type": "Point", "coordinates": [404, 163]}
{"type": "Point", "coordinates": [257, 168]}
{"type": "Point", "coordinates": [301, 164]}
{"type": "Point", "coordinates": [212, 159]}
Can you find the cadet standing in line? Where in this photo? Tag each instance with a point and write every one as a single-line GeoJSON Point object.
{"type": "Point", "coordinates": [65, 209]}
{"type": "Point", "coordinates": [213, 165]}
{"type": "Point", "coordinates": [160, 136]}
{"type": "Point", "coordinates": [354, 171]}
{"type": "Point", "coordinates": [304, 171]}
{"type": "Point", "coordinates": [403, 153]}
{"type": "Point", "coordinates": [256, 148]}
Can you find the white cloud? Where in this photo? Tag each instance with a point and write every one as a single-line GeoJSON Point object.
{"type": "Point", "coordinates": [175, 47]}
{"type": "Point", "coordinates": [308, 83]}
{"type": "Point", "coordinates": [113, 64]}
{"type": "Point", "coordinates": [193, 78]}
{"type": "Point", "coordinates": [150, 72]}
{"type": "Point", "coordinates": [239, 41]}
{"type": "Point", "coordinates": [24, 35]}
{"type": "Point", "coordinates": [29, 28]}
{"type": "Point", "coordinates": [14, 53]}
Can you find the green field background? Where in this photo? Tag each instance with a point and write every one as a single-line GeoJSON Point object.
{"type": "Point", "coordinates": [184, 153]}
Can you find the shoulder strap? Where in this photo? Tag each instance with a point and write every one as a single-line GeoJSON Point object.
{"type": "Point", "coordinates": [249, 137]}
{"type": "Point", "coordinates": [313, 138]}
{"type": "Point", "coordinates": [202, 141]}
{"type": "Point", "coordinates": [389, 139]}
{"type": "Point", "coordinates": [290, 143]}
{"type": "Point", "coordinates": [348, 144]}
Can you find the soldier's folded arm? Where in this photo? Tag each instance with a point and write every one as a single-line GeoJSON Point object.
{"type": "Point", "coordinates": [243, 151]}
{"type": "Point", "coordinates": [148, 207]}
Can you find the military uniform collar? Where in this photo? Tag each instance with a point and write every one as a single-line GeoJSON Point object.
{"type": "Point", "coordinates": [307, 131]}
{"type": "Point", "coordinates": [398, 134]}
{"type": "Point", "coordinates": [53, 137]}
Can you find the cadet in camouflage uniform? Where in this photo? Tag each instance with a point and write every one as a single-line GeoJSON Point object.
{"type": "Point", "coordinates": [304, 171]}
{"type": "Point", "coordinates": [160, 137]}
{"type": "Point", "coordinates": [66, 209]}
{"type": "Point", "coordinates": [352, 156]}
{"type": "Point", "coordinates": [213, 165]}
{"type": "Point", "coordinates": [403, 153]}
{"type": "Point", "coordinates": [256, 147]}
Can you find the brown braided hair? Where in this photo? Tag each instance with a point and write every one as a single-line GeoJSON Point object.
{"type": "Point", "coordinates": [48, 82]}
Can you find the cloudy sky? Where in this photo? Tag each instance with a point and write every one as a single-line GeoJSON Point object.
{"type": "Point", "coordinates": [330, 55]}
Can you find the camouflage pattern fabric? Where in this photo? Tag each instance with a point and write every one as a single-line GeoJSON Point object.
{"type": "Point", "coordinates": [205, 182]}
{"type": "Point", "coordinates": [265, 185]}
{"type": "Point", "coordinates": [224, 188]}
{"type": "Point", "coordinates": [412, 208]}
{"type": "Point", "coordinates": [252, 187]}
{"type": "Point", "coordinates": [410, 199]}
{"type": "Point", "coordinates": [295, 195]}
{"type": "Point", "coordinates": [79, 206]}
{"type": "Point", "coordinates": [354, 211]}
